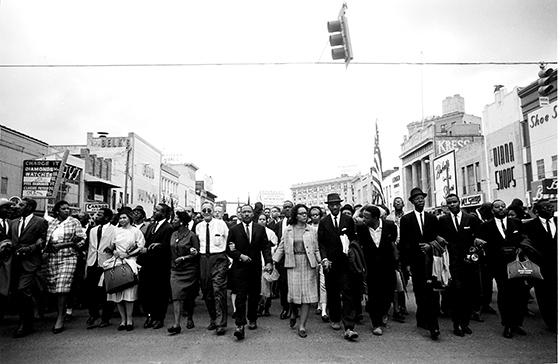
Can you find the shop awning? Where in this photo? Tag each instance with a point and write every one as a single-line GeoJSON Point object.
{"type": "Point", "coordinates": [93, 179]}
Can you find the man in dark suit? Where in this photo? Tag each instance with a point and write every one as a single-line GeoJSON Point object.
{"type": "Point", "coordinates": [542, 232]}
{"type": "Point", "coordinates": [504, 237]}
{"type": "Point", "coordinates": [5, 253]}
{"type": "Point", "coordinates": [418, 236]}
{"type": "Point", "coordinates": [246, 242]}
{"type": "Point", "coordinates": [334, 234]}
{"type": "Point", "coordinates": [282, 282]}
{"type": "Point", "coordinates": [377, 238]}
{"type": "Point", "coordinates": [28, 237]}
{"type": "Point", "coordinates": [154, 276]}
{"type": "Point", "coordinates": [458, 229]}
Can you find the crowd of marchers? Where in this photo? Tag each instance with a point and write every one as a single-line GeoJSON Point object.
{"type": "Point", "coordinates": [339, 263]}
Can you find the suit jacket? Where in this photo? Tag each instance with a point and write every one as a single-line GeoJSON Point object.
{"type": "Point", "coordinates": [5, 234]}
{"type": "Point", "coordinates": [286, 247]}
{"type": "Point", "coordinates": [381, 261]}
{"type": "Point", "coordinates": [158, 257]}
{"type": "Point", "coordinates": [328, 237]}
{"type": "Point", "coordinates": [501, 251]}
{"type": "Point", "coordinates": [411, 237]}
{"type": "Point", "coordinates": [95, 248]}
{"type": "Point", "coordinates": [34, 234]}
{"type": "Point", "coordinates": [241, 273]}
{"type": "Point", "coordinates": [541, 248]}
{"type": "Point", "coordinates": [459, 241]}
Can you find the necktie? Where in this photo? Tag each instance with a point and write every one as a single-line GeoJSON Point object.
{"type": "Point", "coordinates": [335, 223]}
{"type": "Point", "coordinates": [22, 225]}
{"type": "Point", "coordinates": [503, 227]}
{"type": "Point", "coordinates": [207, 238]}
{"type": "Point", "coordinates": [248, 233]}
{"type": "Point", "coordinates": [6, 230]}
{"type": "Point", "coordinates": [456, 222]}
{"type": "Point", "coordinates": [99, 233]}
{"type": "Point", "coordinates": [421, 224]}
{"type": "Point", "coordinates": [548, 228]}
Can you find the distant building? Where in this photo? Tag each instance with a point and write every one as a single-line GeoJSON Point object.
{"type": "Point", "coordinates": [315, 193]}
{"type": "Point", "coordinates": [444, 155]}
{"type": "Point", "coordinates": [392, 186]}
{"type": "Point", "coordinates": [271, 198]}
{"type": "Point", "coordinates": [15, 147]}
{"type": "Point", "coordinates": [169, 185]}
{"type": "Point", "coordinates": [186, 190]}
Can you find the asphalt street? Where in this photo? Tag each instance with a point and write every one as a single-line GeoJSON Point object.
{"type": "Point", "coordinates": [275, 342]}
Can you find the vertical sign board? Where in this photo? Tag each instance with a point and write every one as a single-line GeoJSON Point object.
{"type": "Point", "coordinates": [445, 181]}
{"type": "Point", "coordinates": [39, 178]}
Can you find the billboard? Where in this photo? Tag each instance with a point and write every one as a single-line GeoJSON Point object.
{"type": "Point", "coordinates": [39, 178]}
{"type": "Point", "coordinates": [445, 181]}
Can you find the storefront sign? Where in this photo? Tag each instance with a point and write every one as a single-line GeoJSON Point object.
{"type": "Point", "coordinates": [447, 145]}
{"type": "Point", "coordinates": [445, 177]}
{"type": "Point", "coordinates": [95, 206]}
{"type": "Point", "coordinates": [472, 200]}
{"type": "Point", "coordinates": [39, 178]}
{"type": "Point", "coordinates": [111, 142]}
{"type": "Point", "coordinates": [544, 189]}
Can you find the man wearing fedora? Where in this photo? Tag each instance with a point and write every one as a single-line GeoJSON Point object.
{"type": "Point", "coordinates": [418, 235]}
{"type": "Point", "coordinates": [335, 232]}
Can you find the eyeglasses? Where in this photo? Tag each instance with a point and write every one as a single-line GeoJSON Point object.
{"type": "Point", "coordinates": [207, 210]}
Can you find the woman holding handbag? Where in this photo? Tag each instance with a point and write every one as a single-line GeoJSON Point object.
{"type": "Point", "coordinates": [126, 244]}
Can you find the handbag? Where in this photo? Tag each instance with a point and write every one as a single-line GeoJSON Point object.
{"type": "Point", "coordinates": [523, 269]}
{"type": "Point", "coordinates": [272, 276]}
{"type": "Point", "coordinates": [119, 277]}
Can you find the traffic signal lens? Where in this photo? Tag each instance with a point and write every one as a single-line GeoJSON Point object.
{"type": "Point", "coordinates": [334, 26]}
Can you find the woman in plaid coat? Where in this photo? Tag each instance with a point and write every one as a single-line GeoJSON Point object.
{"type": "Point", "coordinates": [64, 236]}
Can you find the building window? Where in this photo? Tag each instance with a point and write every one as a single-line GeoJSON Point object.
{"type": "Point", "coordinates": [477, 176]}
{"type": "Point", "coordinates": [540, 169]}
{"type": "Point", "coordinates": [4, 186]}
{"type": "Point", "coordinates": [470, 179]}
{"type": "Point", "coordinates": [114, 202]}
{"type": "Point", "coordinates": [554, 165]}
{"type": "Point", "coordinates": [464, 179]}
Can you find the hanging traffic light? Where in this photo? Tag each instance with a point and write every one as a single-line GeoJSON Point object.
{"type": "Point", "coordinates": [546, 81]}
{"type": "Point", "coordinates": [340, 37]}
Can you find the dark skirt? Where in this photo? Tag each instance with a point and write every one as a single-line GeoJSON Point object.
{"type": "Point", "coordinates": [184, 282]}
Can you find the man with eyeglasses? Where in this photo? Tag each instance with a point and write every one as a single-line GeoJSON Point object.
{"type": "Point", "coordinates": [246, 242]}
{"type": "Point", "coordinates": [212, 234]}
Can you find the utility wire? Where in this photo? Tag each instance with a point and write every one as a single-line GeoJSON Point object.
{"type": "Point", "coordinates": [238, 64]}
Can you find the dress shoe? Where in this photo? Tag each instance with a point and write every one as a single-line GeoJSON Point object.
{"type": "Point", "coordinates": [302, 333]}
{"type": "Point", "coordinates": [318, 311]}
{"type": "Point", "coordinates": [129, 327]}
{"type": "Point", "coordinates": [22, 331]}
{"type": "Point", "coordinates": [220, 331]}
{"type": "Point", "coordinates": [104, 324]}
{"type": "Point", "coordinates": [190, 324]}
{"type": "Point", "coordinates": [519, 330]}
{"type": "Point", "coordinates": [335, 326]}
{"type": "Point", "coordinates": [292, 323]}
{"type": "Point", "coordinates": [121, 327]}
{"type": "Point", "coordinates": [239, 333]}
{"type": "Point", "coordinates": [325, 318]}
{"type": "Point", "coordinates": [508, 332]}
{"type": "Point", "coordinates": [148, 323]}
{"type": "Point", "coordinates": [91, 320]}
{"type": "Point", "coordinates": [157, 324]}
{"type": "Point", "coordinates": [174, 330]}
{"type": "Point", "coordinates": [488, 309]}
{"type": "Point", "coordinates": [252, 325]}
{"type": "Point", "coordinates": [458, 331]}
{"type": "Point", "coordinates": [92, 324]}
{"type": "Point", "coordinates": [467, 330]}
{"type": "Point", "coordinates": [57, 330]}
{"type": "Point", "coordinates": [434, 334]}
{"type": "Point", "coordinates": [284, 314]}
{"type": "Point", "coordinates": [476, 317]}
{"type": "Point", "coordinates": [350, 334]}
{"type": "Point", "coordinates": [212, 326]}
{"type": "Point", "coordinates": [377, 331]}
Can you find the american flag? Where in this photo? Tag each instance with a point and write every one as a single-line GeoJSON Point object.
{"type": "Point", "coordinates": [377, 172]}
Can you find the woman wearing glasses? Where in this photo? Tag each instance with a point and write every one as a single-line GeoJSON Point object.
{"type": "Point", "coordinates": [301, 251]}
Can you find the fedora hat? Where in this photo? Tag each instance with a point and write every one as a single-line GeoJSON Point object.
{"type": "Point", "coordinates": [333, 198]}
{"type": "Point", "coordinates": [415, 192]}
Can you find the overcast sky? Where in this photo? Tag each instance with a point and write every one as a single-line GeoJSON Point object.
{"type": "Point", "coordinates": [262, 127]}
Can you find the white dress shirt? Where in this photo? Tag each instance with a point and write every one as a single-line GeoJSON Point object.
{"type": "Point", "coordinates": [499, 225]}
{"type": "Point", "coordinates": [218, 235]}
{"type": "Point", "coordinates": [27, 220]}
{"type": "Point", "coordinates": [95, 248]}
{"type": "Point", "coordinates": [420, 217]}
{"type": "Point", "coordinates": [376, 233]}
{"type": "Point", "coordinates": [459, 216]}
{"type": "Point", "coordinates": [551, 223]}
